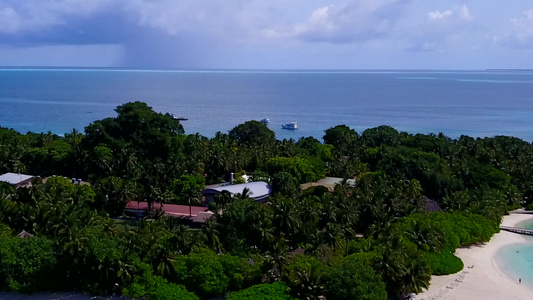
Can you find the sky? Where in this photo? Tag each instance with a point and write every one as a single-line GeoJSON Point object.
{"type": "Point", "coordinates": [268, 34]}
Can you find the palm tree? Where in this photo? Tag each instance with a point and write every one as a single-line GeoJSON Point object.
{"type": "Point", "coordinates": [223, 198]}
{"type": "Point", "coordinates": [211, 234]}
{"type": "Point", "coordinates": [246, 194]}
{"type": "Point", "coordinates": [285, 217]}
{"type": "Point", "coordinates": [275, 260]}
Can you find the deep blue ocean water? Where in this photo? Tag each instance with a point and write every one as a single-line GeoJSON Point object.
{"type": "Point", "coordinates": [484, 103]}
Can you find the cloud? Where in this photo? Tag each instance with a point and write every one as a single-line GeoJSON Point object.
{"type": "Point", "coordinates": [459, 13]}
{"type": "Point", "coordinates": [9, 20]}
{"type": "Point", "coordinates": [464, 13]}
{"type": "Point", "coordinates": [351, 21]}
{"type": "Point", "coordinates": [258, 33]}
{"type": "Point", "coordinates": [38, 15]}
{"type": "Point", "coordinates": [518, 32]}
{"type": "Point", "coordinates": [437, 15]}
{"type": "Point", "coordinates": [63, 56]}
{"type": "Point", "coordinates": [446, 30]}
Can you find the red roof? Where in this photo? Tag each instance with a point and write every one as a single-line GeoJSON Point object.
{"type": "Point", "coordinates": [170, 209]}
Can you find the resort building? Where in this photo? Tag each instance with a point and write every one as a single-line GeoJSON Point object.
{"type": "Point", "coordinates": [16, 179]}
{"type": "Point", "coordinates": [259, 191]}
{"type": "Point", "coordinates": [192, 214]}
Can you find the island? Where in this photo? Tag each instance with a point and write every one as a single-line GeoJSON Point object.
{"type": "Point", "coordinates": [134, 206]}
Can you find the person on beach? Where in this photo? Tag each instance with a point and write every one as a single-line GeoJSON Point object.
{"type": "Point", "coordinates": [519, 280]}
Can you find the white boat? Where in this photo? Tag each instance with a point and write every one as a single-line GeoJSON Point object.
{"type": "Point", "coordinates": [290, 126]}
{"type": "Point", "coordinates": [178, 118]}
{"type": "Point", "coordinates": [265, 121]}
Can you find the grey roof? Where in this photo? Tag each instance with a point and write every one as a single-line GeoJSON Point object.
{"type": "Point", "coordinates": [24, 235]}
{"type": "Point", "coordinates": [431, 205]}
{"type": "Point", "coordinates": [335, 180]}
{"type": "Point", "coordinates": [14, 178]}
{"type": "Point", "coordinates": [258, 189]}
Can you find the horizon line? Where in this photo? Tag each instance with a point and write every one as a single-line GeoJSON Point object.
{"type": "Point", "coordinates": [248, 70]}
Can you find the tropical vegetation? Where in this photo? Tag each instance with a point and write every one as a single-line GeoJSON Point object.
{"type": "Point", "coordinates": [372, 239]}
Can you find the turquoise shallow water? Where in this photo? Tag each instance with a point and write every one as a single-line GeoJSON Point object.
{"type": "Point", "coordinates": [517, 260]}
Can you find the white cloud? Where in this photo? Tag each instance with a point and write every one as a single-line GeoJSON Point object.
{"type": "Point", "coordinates": [445, 31]}
{"type": "Point", "coordinates": [518, 33]}
{"type": "Point", "coordinates": [437, 15]}
{"type": "Point", "coordinates": [459, 13]}
{"type": "Point", "coordinates": [464, 13]}
{"type": "Point", "coordinates": [350, 21]}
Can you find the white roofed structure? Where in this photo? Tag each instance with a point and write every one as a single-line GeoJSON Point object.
{"type": "Point", "coordinates": [259, 190]}
{"type": "Point", "coordinates": [17, 179]}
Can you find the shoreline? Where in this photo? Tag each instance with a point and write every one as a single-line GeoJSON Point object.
{"type": "Point", "coordinates": [482, 278]}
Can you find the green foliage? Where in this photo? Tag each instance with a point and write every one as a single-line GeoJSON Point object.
{"type": "Point", "coordinates": [239, 179]}
{"type": "Point", "coordinates": [259, 176]}
{"type": "Point", "coordinates": [381, 135]}
{"type": "Point", "coordinates": [153, 287]}
{"type": "Point", "coordinates": [241, 271]}
{"type": "Point", "coordinates": [444, 262]}
{"type": "Point", "coordinates": [311, 147]}
{"type": "Point", "coordinates": [143, 155]}
{"type": "Point", "coordinates": [55, 157]}
{"type": "Point", "coordinates": [188, 188]}
{"type": "Point", "coordinates": [429, 169]}
{"type": "Point", "coordinates": [97, 262]}
{"type": "Point", "coordinates": [353, 279]}
{"type": "Point", "coordinates": [274, 291]}
{"type": "Point", "coordinates": [302, 169]}
{"type": "Point", "coordinates": [26, 265]}
{"type": "Point", "coordinates": [381, 198]}
{"type": "Point", "coordinates": [12, 147]}
{"type": "Point", "coordinates": [344, 140]}
{"type": "Point", "coordinates": [284, 183]}
{"type": "Point", "coordinates": [402, 266]}
{"type": "Point", "coordinates": [490, 203]}
{"type": "Point", "coordinates": [252, 133]}
{"type": "Point", "coordinates": [306, 276]}
{"type": "Point", "coordinates": [113, 193]}
{"type": "Point", "coordinates": [201, 272]}
{"type": "Point", "coordinates": [246, 224]}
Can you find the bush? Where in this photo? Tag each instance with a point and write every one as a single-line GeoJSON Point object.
{"type": "Point", "coordinates": [202, 273]}
{"type": "Point", "coordinates": [152, 287]}
{"type": "Point", "coordinates": [352, 279]}
{"type": "Point", "coordinates": [444, 262]}
{"type": "Point", "coordinates": [306, 276]}
{"type": "Point", "coordinates": [242, 272]}
{"type": "Point", "coordinates": [303, 169]}
{"type": "Point", "coordinates": [26, 265]}
{"type": "Point", "coordinates": [275, 291]}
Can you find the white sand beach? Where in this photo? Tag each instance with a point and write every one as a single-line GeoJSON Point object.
{"type": "Point", "coordinates": [481, 278]}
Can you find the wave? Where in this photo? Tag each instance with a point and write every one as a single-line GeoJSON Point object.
{"type": "Point", "coordinates": [494, 81]}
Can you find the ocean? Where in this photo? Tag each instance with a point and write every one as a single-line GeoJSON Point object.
{"type": "Point", "coordinates": [479, 104]}
{"type": "Point", "coordinates": [516, 260]}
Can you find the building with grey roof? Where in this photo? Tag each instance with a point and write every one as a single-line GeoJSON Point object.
{"type": "Point", "coordinates": [259, 191]}
{"type": "Point", "coordinates": [16, 179]}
